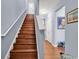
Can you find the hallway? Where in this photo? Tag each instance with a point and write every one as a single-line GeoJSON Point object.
{"type": "Point", "coordinates": [39, 29]}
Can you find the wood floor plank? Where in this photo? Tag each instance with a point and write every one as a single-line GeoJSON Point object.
{"type": "Point", "coordinates": [51, 52]}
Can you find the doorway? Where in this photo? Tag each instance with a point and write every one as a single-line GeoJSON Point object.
{"type": "Point", "coordinates": [54, 46]}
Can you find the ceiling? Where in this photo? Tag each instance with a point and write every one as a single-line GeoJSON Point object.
{"type": "Point", "coordinates": [47, 5]}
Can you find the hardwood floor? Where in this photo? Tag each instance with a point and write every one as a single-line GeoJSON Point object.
{"type": "Point", "coordinates": [51, 52]}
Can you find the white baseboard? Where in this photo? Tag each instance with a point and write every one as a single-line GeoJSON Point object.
{"type": "Point", "coordinates": [54, 45]}
{"type": "Point", "coordinates": [14, 40]}
{"type": "Point", "coordinates": [51, 43]}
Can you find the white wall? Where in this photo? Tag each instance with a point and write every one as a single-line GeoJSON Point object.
{"type": "Point", "coordinates": [31, 8]}
{"type": "Point", "coordinates": [49, 32]}
{"type": "Point", "coordinates": [48, 5]}
{"type": "Point", "coordinates": [36, 3]}
{"type": "Point", "coordinates": [40, 40]}
{"type": "Point", "coordinates": [59, 33]}
{"type": "Point", "coordinates": [27, 4]}
{"type": "Point", "coordinates": [71, 30]}
{"type": "Point", "coordinates": [10, 10]}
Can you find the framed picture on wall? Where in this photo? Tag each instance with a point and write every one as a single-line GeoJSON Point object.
{"type": "Point", "coordinates": [60, 22]}
{"type": "Point", "coordinates": [72, 16]}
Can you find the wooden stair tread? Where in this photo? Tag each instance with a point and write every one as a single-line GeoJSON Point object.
{"type": "Point", "coordinates": [24, 51]}
{"type": "Point", "coordinates": [27, 30]}
{"type": "Point", "coordinates": [24, 39]}
{"type": "Point", "coordinates": [23, 35]}
{"type": "Point", "coordinates": [28, 24]}
{"type": "Point", "coordinates": [25, 43]}
{"type": "Point", "coordinates": [26, 33]}
{"type": "Point", "coordinates": [30, 31]}
{"type": "Point", "coordinates": [27, 37]}
{"type": "Point", "coordinates": [27, 27]}
{"type": "Point", "coordinates": [24, 46]}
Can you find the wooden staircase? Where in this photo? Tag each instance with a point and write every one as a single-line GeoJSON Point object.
{"type": "Point", "coordinates": [25, 46]}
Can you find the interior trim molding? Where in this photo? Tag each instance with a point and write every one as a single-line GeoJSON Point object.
{"type": "Point", "coordinates": [36, 36]}
{"type": "Point", "coordinates": [7, 56]}
{"type": "Point", "coordinates": [52, 43]}
{"type": "Point", "coordinates": [4, 34]}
